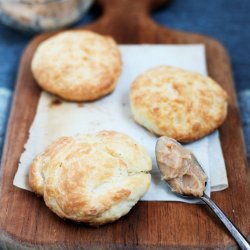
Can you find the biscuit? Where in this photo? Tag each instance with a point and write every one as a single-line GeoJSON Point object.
{"type": "Point", "coordinates": [177, 103]}
{"type": "Point", "coordinates": [93, 179]}
{"type": "Point", "coordinates": [77, 65]}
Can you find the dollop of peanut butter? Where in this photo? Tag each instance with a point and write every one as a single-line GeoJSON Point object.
{"type": "Point", "coordinates": [179, 168]}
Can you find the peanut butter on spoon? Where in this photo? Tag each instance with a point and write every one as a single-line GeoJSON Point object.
{"type": "Point", "coordinates": [179, 168]}
{"type": "Point", "coordinates": [187, 179]}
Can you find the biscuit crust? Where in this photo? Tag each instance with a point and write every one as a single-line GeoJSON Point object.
{"type": "Point", "coordinates": [177, 103]}
{"type": "Point", "coordinates": [93, 179]}
{"type": "Point", "coordinates": [77, 65]}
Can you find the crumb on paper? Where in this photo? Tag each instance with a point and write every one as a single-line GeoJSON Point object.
{"type": "Point", "coordinates": [55, 102]}
{"type": "Point", "coordinates": [80, 105]}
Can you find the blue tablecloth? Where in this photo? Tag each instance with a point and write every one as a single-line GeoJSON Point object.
{"type": "Point", "coordinates": [226, 20]}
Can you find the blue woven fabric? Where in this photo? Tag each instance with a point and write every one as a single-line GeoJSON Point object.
{"type": "Point", "coordinates": [226, 20]}
{"type": "Point", "coordinates": [5, 99]}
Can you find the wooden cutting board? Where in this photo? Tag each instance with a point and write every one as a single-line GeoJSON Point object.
{"type": "Point", "coordinates": [25, 222]}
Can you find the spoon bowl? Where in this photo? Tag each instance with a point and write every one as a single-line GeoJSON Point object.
{"type": "Point", "coordinates": [180, 168]}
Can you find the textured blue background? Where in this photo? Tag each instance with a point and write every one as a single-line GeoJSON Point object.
{"type": "Point", "coordinates": [226, 20]}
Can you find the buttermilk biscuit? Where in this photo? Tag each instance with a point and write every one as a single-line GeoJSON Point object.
{"type": "Point", "coordinates": [177, 103]}
{"type": "Point", "coordinates": [77, 65]}
{"type": "Point", "coordinates": [94, 179]}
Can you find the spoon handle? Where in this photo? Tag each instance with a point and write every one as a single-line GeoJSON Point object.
{"type": "Point", "coordinates": [238, 236]}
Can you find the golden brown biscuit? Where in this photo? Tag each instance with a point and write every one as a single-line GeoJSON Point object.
{"type": "Point", "coordinates": [178, 103]}
{"type": "Point", "coordinates": [77, 65]}
{"type": "Point", "coordinates": [94, 179]}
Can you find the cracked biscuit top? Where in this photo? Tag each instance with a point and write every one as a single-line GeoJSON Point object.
{"type": "Point", "coordinates": [91, 178]}
{"type": "Point", "coordinates": [178, 103]}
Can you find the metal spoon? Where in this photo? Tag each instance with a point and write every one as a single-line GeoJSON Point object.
{"type": "Point", "coordinates": [238, 236]}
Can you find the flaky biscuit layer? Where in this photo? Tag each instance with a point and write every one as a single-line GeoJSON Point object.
{"type": "Point", "coordinates": [91, 178]}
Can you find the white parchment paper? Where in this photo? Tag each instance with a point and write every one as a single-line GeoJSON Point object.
{"type": "Point", "coordinates": [113, 112]}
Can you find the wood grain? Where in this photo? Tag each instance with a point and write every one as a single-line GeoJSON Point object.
{"type": "Point", "coordinates": [26, 223]}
